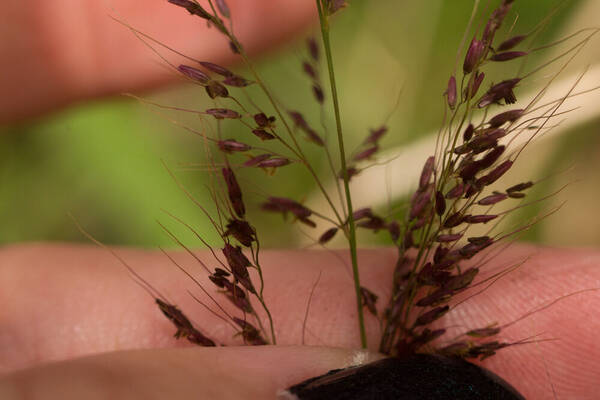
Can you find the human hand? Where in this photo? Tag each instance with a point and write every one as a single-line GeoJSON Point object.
{"type": "Point", "coordinates": [63, 51]}
{"type": "Point", "coordinates": [61, 303]}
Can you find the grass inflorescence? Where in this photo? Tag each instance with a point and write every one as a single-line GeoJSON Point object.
{"type": "Point", "coordinates": [461, 185]}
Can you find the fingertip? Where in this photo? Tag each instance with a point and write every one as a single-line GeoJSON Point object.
{"type": "Point", "coordinates": [259, 372]}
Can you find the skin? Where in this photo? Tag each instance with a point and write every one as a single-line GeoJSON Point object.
{"type": "Point", "coordinates": [73, 324]}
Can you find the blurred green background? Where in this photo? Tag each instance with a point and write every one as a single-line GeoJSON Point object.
{"type": "Point", "coordinates": [101, 161]}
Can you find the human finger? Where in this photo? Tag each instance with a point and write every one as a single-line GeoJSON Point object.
{"type": "Point", "coordinates": [63, 51]}
{"type": "Point", "coordinates": [75, 278]}
{"type": "Point", "coordinates": [200, 373]}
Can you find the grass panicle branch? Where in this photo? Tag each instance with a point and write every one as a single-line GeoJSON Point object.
{"type": "Point", "coordinates": [462, 185]}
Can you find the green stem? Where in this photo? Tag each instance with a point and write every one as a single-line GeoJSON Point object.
{"type": "Point", "coordinates": [297, 150]}
{"type": "Point", "coordinates": [351, 226]}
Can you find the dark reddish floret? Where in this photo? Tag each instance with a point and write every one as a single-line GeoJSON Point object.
{"type": "Point", "coordinates": [285, 205]}
{"type": "Point", "coordinates": [474, 53]}
{"type": "Point", "coordinates": [193, 73]}
{"type": "Point", "coordinates": [327, 235]}
{"type": "Point", "coordinates": [222, 113]}
{"type": "Point", "coordinates": [369, 300]}
{"type": "Point", "coordinates": [365, 154]}
{"type": "Point", "coordinates": [468, 133]}
{"type": "Point", "coordinates": [492, 199]}
{"type": "Point", "coordinates": [217, 69]}
{"type": "Point", "coordinates": [262, 134]}
{"type": "Point", "coordinates": [242, 231]}
{"type": "Point", "coordinates": [231, 146]}
{"type": "Point", "coordinates": [236, 81]}
{"type": "Point", "coordinates": [520, 187]}
{"type": "Point", "coordinates": [440, 203]}
{"type": "Point", "coordinates": [255, 160]}
{"type": "Point", "coordinates": [250, 334]}
{"type": "Point", "coordinates": [432, 315]}
{"type": "Point", "coordinates": [508, 55]}
{"type": "Point", "coordinates": [426, 173]}
{"type": "Point", "coordinates": [507, 116]}
{"type": "Point", "coordinates": [375, 135]}
{"type": "Point", "coordinates": [451, 92]}
{"type": "Point", "coordinates": [239, 264]}
{"type": "Point", "coordinates": [274, 162]}
{"type": "Point", "coordinates": [234, 192]}
{"type": "Point", "coordinates": [215, 89]}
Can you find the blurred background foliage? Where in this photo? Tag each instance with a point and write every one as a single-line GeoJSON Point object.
{"type": "Point", "coordinates": [102, 160]}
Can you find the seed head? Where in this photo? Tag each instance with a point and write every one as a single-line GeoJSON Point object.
{"type": "Point", "coordinates": [318, 93]}
{"type": "Point", "coordinates": [439, 296]}
{"type": "Point", "coordinates": [285, 205]}
{"type": "Point", "coordinates": [231, 146]}
{"type": "Point", "coordinates": [456, 191]}
{"type": "Point", "coordinates": [313, 49]}
{"type": "Point", "coordinates": [263, 121]}
{"type": "Point", "coordinates": [193, 8]}
{"type": "Point", "coordinates": [274, 162]}
{"type": "Point", "coordinates": [250, 334]}
{"type": "Point", "coordinates": [474, 53]}
{"type": "Point", "coordinates": [223, 8]}
{"type": "Point", "coordinates": [468, 133]}
{"type": "Point", "coordinates": [491, 157]}
{"type": "Point", "coordinates": [252, 162]}
{"type": "Point", "coordinates": [463, 280]}
{"type": "Point", "coordinates": [335, 5]}
{"type": "Point", "coordinates": [234, 192]}
{"type": "Point", "coordinates": [193, 73]}
{"type": "Point", "coordinates": [451, 92]}
{"type": "Point", "coordinates": [327, 235]}
{"type": "Point", "coordinates": [479, 219]}
{"type": "Point", "coordinates": [426, 173]}
{"type": "Point", "coordinates": [448, 238]}
{"type": "Point", "coordinates": [520, 187]}
{"type": "Point", "coordinates": [374, 223]}
{"type": "Point", "coordinates": [217, 69]}
{"type": "Point", "coordinates": [183, 325]}
{"type": "Point", "coordinates": [497, 172]}
{"type": "Point", "coordinates": [262, 134]}
{"type": "Point", "coordinates": [454, 220]}
{"type": "Point", "coordinates": [432, 315]}
{"type": "Point", "coordinates": [222, 113]}
{"type": "Point", "coordinates": [369, 300]}
{"type": "Point", "coordinates": [502, 90]}
{"type": "Point", "coordinates": [511, 42]}
{"type": "Point", "coordinates": [516, 195]}
{"type": "Point", "coordinates": [440, 203]}
{"type": "Point", "coordinates": [394, 229]}
{"type": "Point", "coordinates": [483, 332]}
{"type": "Point", "coordinates": [508, 55]}
{"type": "Point", "coordinates": [239, 264]}
{"type": "Point", "coordinates": [440, 253]}
{"type": "Point", "coordinates": [366, 154]}
{"type": "Point", "coordinates": [215, 89]}
{"type": "Point", "coordinates": [309, 70]}
{"type": "Point", "coordinates": [476, 84]}
{"type": "Point", "coordinates": [242, 231]}
{"type": "Point", "coordinates": [362, 213]}
{"type": "Point", "coordinates": [420, 201]}
{"type": "Point", "coordinates": [375, 135]}
{"type": "Point", "coordinates": [236, 81]}
{"type": "Point", "coordinates": [492, 199]}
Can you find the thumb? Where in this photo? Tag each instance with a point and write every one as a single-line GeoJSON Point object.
{"type": "Point", "coordinates": [206, 373]}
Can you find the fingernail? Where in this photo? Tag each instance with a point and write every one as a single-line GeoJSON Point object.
{"type": "Point", "coordinates": [419, 376]}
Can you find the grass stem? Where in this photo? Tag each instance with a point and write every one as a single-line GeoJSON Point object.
{"type": "Point", "coordinates": [351, 232]}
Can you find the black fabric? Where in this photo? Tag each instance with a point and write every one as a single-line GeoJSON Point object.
{"type": "Point", "coordinates": [420, 376]}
